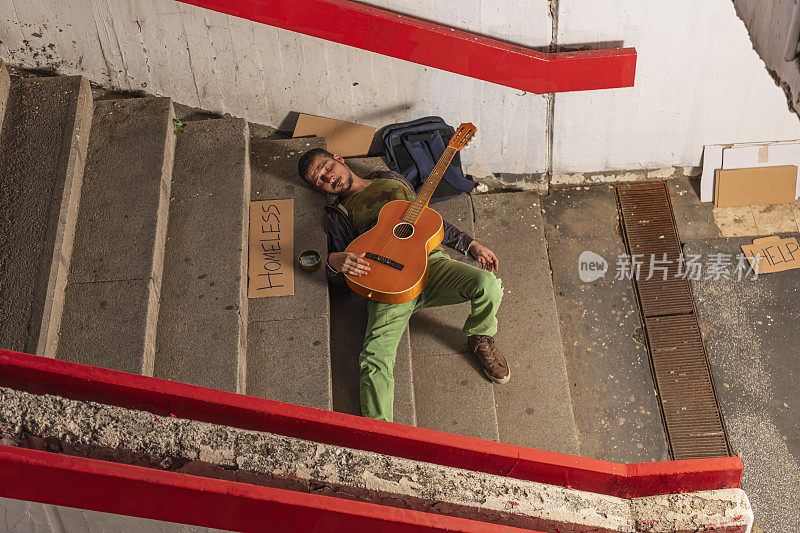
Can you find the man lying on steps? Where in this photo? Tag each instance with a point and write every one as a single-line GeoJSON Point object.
{"type": "Point", "coordinates": [449, 281]}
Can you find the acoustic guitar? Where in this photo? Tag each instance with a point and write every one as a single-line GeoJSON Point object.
{"type": "Point", "coordinates": [397, 247]}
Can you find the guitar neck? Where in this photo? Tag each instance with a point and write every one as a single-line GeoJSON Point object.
{"type": "Point", "coordinates": [426, 193]}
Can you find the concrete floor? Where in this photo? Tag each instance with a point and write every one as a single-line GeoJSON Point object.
{"type": "Point", "coordinates": [751, 334]}
{"type": "Point", "coordinates": [613, 397]}
{"type": "Point", "coordinates": [749, 327]}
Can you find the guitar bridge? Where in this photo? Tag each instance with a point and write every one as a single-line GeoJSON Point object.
{"type": "Point", "coordinates": [385, 260]}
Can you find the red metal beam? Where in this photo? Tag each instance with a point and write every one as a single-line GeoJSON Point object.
{"type": "Point", "coordinates": [41, 375]}
{"type": "Point", "coordinates": [136, 491]}
{"type": "Point", "coordinates": [438, 46]}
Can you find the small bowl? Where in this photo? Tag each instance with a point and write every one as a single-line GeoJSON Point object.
{"type": "Point", "coordinates": [309, 260]}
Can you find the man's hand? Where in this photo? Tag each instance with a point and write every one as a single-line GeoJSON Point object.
{"type": "Point", "coordinates": [485, 256]}
{"type": "Point", "coordinates": [348, 263]}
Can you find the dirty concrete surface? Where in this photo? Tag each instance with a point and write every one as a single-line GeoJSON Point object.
{"type": "Point", "coordinates": [694, 219]}
{"type": "Point", "coordinates": [751, 335]}
{"type": "Point", "coordinates": [616, 410]}
{"type": "Point", "coordinates": [749, 330]}
{"type": "Point", "coordinates": [511, 225]}
{"type": "Point", "coordinates": [202, 319]}
{"type": "Point", "coordinates": [44, 134]}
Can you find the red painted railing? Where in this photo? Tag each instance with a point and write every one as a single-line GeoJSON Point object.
{"type": "Point", "coordinates": [41, 375]}
{"type": "Point", "coordinates": [144, 492]}
{"type": "Point", "coordinates": [438, 46]}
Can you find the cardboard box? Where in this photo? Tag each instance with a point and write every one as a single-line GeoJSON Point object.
{"type": "Point", "coordinates": [762, 155]}
{"type": "Point", "coordinates": [746, 155]}
{"type": "Point", "coordinates": [755, 186]}
{"type": "Point", "coordinates": [772, 254]}
{"type": "Point", "coordinates": [344, 138]}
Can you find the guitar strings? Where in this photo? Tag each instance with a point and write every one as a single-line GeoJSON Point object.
{"type": "Point", "coordinates": [416, 209]}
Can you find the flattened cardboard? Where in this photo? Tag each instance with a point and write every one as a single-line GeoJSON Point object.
{"type": "Point", "coordinates": [746, 155]}
{"type": "Point", "coordinates": [770, 154]}
{"type": "Point", "coordinates": [755, 186]}
{"type": "Point", "coordinates": [270, 266]}
{"type": "Point", "coordinates": [344, 138]}
{"type": "Point", "coordinates": [712, 160]}
{"type": "Point", "coordinates": [772, 254]}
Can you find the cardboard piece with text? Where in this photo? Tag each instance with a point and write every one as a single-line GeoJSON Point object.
{"type": "Point", "coordinates": [772, 254]}
{"type": "Point", "coordinates": [270, 269]}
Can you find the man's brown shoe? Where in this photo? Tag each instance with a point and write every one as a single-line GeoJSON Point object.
{"type": "Point", "coordinates": [494, 364]}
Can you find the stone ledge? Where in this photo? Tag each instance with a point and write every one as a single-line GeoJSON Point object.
{"type": "Point", "coordinates": [136, 437]}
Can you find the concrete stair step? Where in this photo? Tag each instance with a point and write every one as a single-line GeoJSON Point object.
{"type": "Point", "coordinates": [202, 325]}
{"type": "Point", "coordinates": [614, 402]}
{"type": "Point", "coordinates": [288, 354]}
{"type": "Point", "coordinates": [43, 147]}
{"type": "Point", "coordinates": [5, 85]}
{"type": "Point", "coordinates": [451, 392]}
{"type": "Point", "coordinates": [348, 322]}
{"type": "Point", "coordinates": [534, 409]}
{"type": "Point", "coordinates": [113, 290]}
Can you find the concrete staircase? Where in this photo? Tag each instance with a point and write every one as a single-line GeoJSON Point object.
{"type": "Point", "coordinates": [452, 393]}
{"type": "Point", "coordinates": [202, 324]}
{"type": "Point", "coordinates": [156, 280]}
{"type": "Point", "coordinates": [535, 408]}
{"type": "Point", "coordinates": [112, 296]}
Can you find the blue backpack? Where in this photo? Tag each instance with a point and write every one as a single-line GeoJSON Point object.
{"type": "Point", "coordinates": [413, 149]}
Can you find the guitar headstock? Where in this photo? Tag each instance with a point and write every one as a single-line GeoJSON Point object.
{"type": "Point", "coordinates": [462, 136]}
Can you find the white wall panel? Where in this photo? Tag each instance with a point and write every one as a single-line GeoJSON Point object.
{"type": "Point", "coordinates": [698, 81]}
{"type": "Point", "coordinates": [210, 60]}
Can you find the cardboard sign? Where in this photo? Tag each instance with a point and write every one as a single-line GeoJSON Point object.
{"type": "Point", "coordinates": [344, 138]}
{"type": "Point", "coordinates": [755, 186]}
{"type": "Point", "coordinates": [270, 270]}
{"type": "Point", "coordinates": [772, 254]}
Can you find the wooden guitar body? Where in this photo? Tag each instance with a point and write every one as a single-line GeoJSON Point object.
{"type": "Point", "coordinates": [398, 264]}
{"type": "Point", "coordinates": [397, 247]}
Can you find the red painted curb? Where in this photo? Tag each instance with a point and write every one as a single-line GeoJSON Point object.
{"type": "Point", "coordinates": [434, 45]}
{"type": "Point", "coordinates": [40, 375]}
{"type": "Point", "coordinates": [136, 491]}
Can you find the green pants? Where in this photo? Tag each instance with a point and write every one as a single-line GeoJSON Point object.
{"type": "Point", "coordinates": [449, 282]}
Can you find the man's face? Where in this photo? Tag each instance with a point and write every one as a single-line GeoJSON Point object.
{"type": "Point", "coordinates": [330, 175]}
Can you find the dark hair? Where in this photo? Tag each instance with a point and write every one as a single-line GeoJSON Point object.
{"type": "Point", "coordinates": [307, 158]}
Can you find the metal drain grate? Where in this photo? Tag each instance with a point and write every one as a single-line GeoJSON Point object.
{"type": "Point", "coordinates": [689, 407]}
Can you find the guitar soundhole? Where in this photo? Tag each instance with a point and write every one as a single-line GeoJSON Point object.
{"type": "Point", "coordinates": [404, 230]}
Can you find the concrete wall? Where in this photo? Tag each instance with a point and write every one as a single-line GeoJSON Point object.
{"type": "Point", "coordinates": [698, 79]}
{"type": "Point", "coordinates": [769, 26]}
